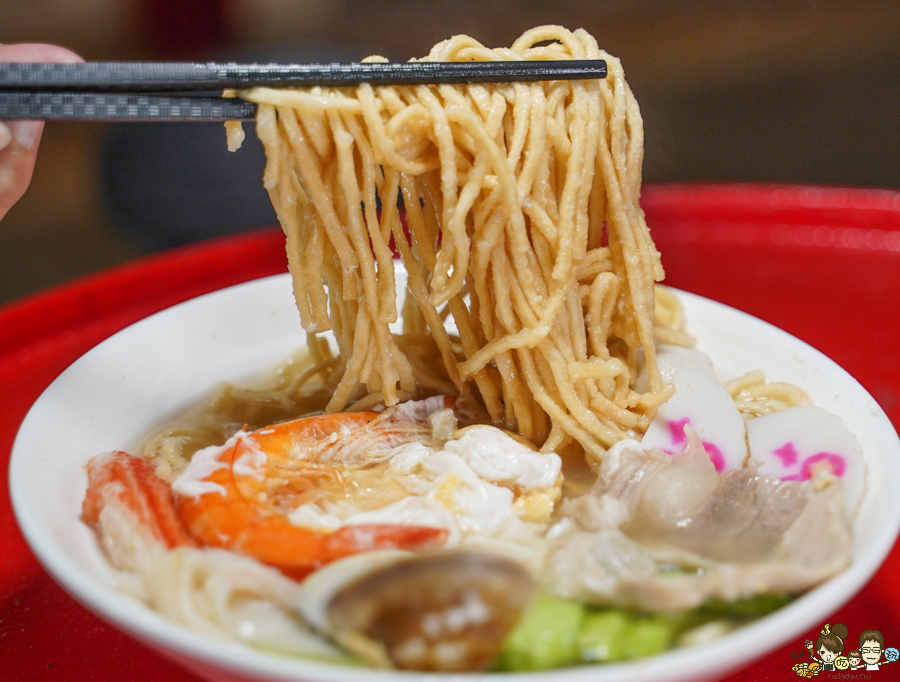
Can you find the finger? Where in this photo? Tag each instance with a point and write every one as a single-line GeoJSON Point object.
{"type": "Point", "coordinates": [17, 162]}
{"type": "Point", "coordinates": [19, 140]}
{"type": "Point", "coordinates": [36, 52]}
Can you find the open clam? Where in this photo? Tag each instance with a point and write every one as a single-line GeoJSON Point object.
{"type": "Point", "coordinates": [443, 611]}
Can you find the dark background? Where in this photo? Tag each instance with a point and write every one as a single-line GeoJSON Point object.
{"type": "Point", "coordinates": [800, 91]}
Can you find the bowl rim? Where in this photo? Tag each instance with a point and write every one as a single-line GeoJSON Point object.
{"type": "Point", "coordinates": [205, 653]}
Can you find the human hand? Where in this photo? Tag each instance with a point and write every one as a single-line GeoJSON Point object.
{"type": "Point", "coordinates": [19, 139]}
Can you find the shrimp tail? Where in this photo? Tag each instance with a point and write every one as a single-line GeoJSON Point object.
{"type": "Point", "coordinates": [126, 486]}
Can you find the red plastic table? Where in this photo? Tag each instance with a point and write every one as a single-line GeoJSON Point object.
{"type": "Point", "coordinates": [822, 263]}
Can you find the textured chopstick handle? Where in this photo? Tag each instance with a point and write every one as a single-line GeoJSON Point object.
{"type": "Point", "coordinates": [58, 106]}
{"type": "Point", "coordinates": [181, 77]}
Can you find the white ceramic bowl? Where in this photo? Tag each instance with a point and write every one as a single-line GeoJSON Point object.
{"type": "Point", "coordinates": [146, 373]}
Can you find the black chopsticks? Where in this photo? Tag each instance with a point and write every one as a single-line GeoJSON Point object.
{"type": "Point", "coordinates": [182, 77]}
{"type": "Point", "coordinates": [88, 106]}
{"type": "Point", "coordinates": [172, 91]}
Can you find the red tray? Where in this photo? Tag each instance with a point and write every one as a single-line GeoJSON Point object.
{"type": "Point", "coordinates": [822, 263]}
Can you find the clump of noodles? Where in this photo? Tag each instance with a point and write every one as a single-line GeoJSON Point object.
{"type": "Point", "coordinates": [224, 594]}
{"type": "Point", "coordinates": [754, 396]}
{"type": "Point", "coordinates": [212, 591]}
{"type": "Point", "coordinates": [524, 229]}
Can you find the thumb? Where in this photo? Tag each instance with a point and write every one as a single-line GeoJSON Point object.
{"type": "Point", "coordinates": [19, 140]}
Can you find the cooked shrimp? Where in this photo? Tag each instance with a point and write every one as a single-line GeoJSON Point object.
{"type": "Point", "coordinates": [237, 496]}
